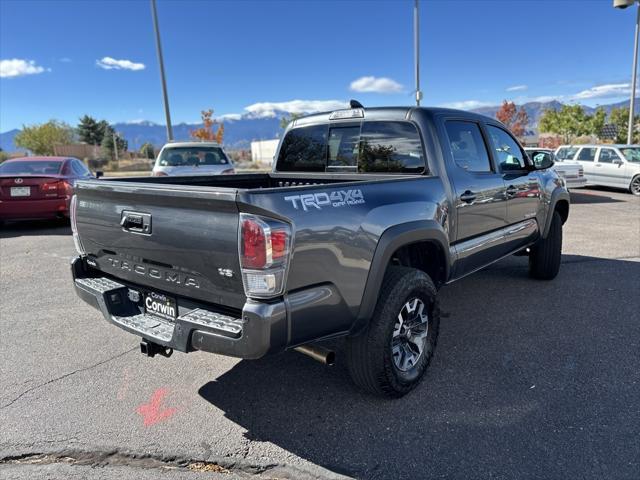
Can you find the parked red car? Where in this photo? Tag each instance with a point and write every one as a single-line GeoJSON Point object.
{"type": "Point", "coordinates": [38, 187]}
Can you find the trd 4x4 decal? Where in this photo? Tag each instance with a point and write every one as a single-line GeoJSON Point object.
{"type": "Point", "coordinates": [337, 198]}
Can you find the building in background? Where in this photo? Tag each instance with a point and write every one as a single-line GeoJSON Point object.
{"type": "Point", "coordinates": [263, 151]}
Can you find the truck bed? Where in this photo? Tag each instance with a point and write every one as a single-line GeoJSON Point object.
{"type": "Point", "coordinates": [193, 221]}
{"type": "Point", "coordinates": [250, 181]}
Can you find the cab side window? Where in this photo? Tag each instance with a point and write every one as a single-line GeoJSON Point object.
{"type": "Point", "coordinates": [468, 149]}
{"type": "Point", "coordinates": [508, 153]}
{"type": "Point", "coordinates": [608, 155]}
{"type": "Point", "coordinates": [587, 154]}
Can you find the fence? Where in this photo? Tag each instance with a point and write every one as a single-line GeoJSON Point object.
{"type": "Point", "coordinates": [78, 150]}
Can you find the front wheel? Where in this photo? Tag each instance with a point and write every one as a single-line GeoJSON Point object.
{"type": "Point", "coordinates": [634, 186]}
{"type": "Point", "coordinates": [546, 254]}
{"type": "Point", "coordinates": [390, 357]}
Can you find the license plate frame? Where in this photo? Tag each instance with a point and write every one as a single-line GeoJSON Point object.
{"type": "Point", "coordinates": [20, 191]}
{"type": "Point", "coordinates": [160, 305]}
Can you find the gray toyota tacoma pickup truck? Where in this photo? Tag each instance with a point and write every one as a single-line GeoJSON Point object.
{"type": "Point", "coordinates": [366, 214]}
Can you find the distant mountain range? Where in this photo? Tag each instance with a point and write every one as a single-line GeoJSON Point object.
{"type": "Point", "coordinates": [240, 132]}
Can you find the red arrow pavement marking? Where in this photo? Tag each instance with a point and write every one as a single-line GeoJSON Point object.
{"type": "Point", "coordinates": [153, 412]}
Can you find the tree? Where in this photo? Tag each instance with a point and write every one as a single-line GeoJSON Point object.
{"type": "Point", "coordinates": [569, 122]}
{"type": "Point", "coordinates": [285, 121]}
{"type": "Point", "coordinates": [92, 131]}
{"type": "Point", "coordinates": [147, 151]}
{"type": "Point", "coordinates": [597, 121]}
{"type": "Point", "coordinates": [41, 138]}
{"type": "Point", "coordinates": [514, 119]}
{"type": "Point", "coordinates": [206, 132]}
{"type": "Point", "coordinates": [620, 118]}
{"type": "Point", "coordinates": [108, 145]}
{"type": "Point", "coordinates": [3, 155]}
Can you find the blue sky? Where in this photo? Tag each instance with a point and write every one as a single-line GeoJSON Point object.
{"type": "Point", "coordinates": [62, 59]}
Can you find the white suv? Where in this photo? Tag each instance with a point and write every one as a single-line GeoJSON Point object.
{"type": "Point", "coordinates": [192, 158]}
{"type": "Point", "coordinates": [607, 165]}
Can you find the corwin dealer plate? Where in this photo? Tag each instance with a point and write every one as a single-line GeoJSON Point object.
{"type": "Point", "coordinates": [161, 305]}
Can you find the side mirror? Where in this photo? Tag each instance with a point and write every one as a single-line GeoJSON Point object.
{"type": "Point", "coordinates": [617, 161]}
{"type": "Point", "coordinates": [544, 164]}
{"type": "Point", "coordinates": [99, 173]}
{"type": "Point", "coordinates": [542, 161]}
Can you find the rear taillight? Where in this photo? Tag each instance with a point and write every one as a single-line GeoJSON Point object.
{"type": "Point", "coordinates": [228, 171]}
{"type": "Point", "coordinates": [74, 225]}
{"type": "Point", "coordinates": [59, 188]}
{"type": "Point", "coordinates": [265, 246]}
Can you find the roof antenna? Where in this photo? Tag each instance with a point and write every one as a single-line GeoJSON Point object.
{"type": "Point", "coordinates": [355, 104]}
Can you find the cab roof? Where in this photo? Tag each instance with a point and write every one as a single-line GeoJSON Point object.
{"type": "Point", "coordinates": [387, 113]}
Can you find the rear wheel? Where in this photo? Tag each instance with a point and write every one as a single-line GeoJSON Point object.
{"type": "Point", "coordinates": [390, 357]}
{"type": "Point", "coordinates": [546, 254]}
{"type": "Point", "coordinates": [634, 186]}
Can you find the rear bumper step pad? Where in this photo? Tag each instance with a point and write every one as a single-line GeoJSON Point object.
{"type": "Point", "coordinates": [261, 329]}
{"type": "Point", "coordinates": [154, 327]}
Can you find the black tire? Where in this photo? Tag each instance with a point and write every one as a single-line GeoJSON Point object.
{"type": "Point", "coordinates": [370, 359]}
{"type": "Point", "coordinates": [546, 254]}
{"type": "Point", "coordinates": [634, 186]}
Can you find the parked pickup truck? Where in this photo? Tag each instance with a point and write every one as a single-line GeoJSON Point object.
{"type": "Point", "coordinates": [366, 214]}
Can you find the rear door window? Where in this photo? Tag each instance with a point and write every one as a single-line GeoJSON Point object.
{"type": "Point", "coordinates": [608, 155]}
{"type": "Point", "coordinates": [468, 149]}
{"type": "Point", "coordinates": [587, 154]}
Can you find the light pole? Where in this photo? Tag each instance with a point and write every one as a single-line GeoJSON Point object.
{"type": "Point", "coordinates": [625, 4]}
{"type": "Point", "coordinates": [416, 49]}
{"type": "Point", "coordinates": [165, 97]}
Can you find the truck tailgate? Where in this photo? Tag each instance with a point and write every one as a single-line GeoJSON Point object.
{"type": "Point", "coordinates": [189, 247]}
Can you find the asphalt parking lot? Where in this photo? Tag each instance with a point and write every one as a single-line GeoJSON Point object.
{"type": "Point", "coordinates": [530, 380]}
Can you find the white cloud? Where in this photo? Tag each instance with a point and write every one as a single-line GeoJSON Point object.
{"type": "Point", "coordinates": [109, 63]}
{"type": "Point", "coordinates": [269, 109]}
{"type": "Point", "coordinates": [17, 67]}
{"type": "Point", "coordinates": [468, 104]}
{"type": "Point", "coordinates": [541, 99]}
{"type": "Point", "coordinates": [230, 116]}
{"type": "Point", "coordinates": [376, 84]}
{"type": "Point", "coordinates": [604, 91]}
{"type": "Point", "coordinates": [517, 88]}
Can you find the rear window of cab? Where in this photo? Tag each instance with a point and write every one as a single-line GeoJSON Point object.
{"type": "Point", "coordinates": [366, 147]}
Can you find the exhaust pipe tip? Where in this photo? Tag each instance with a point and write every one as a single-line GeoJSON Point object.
{"type": "Point", "coordinates": [319, 354]}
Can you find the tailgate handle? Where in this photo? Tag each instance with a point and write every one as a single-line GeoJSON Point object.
{"type": "Point", "coordinates": [136, 222]}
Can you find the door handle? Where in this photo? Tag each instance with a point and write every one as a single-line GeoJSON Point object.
{"type": "Point", "coordinates": [468, 196]}
{"type": "Point", "coordinates": [598, 164]}
{"type": "Point", "coordinates": [511, 190]}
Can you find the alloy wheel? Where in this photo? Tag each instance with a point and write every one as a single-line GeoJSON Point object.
{"type": "Point", "coordinates": [409, 334]}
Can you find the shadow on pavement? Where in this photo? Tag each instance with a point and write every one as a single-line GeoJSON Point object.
{"type": "Point", "coordinates": [530, 380]}
{"type": "Point", "coordinates": [35, 227]}
{"type": "Point", "coordinates": [578, 197]}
